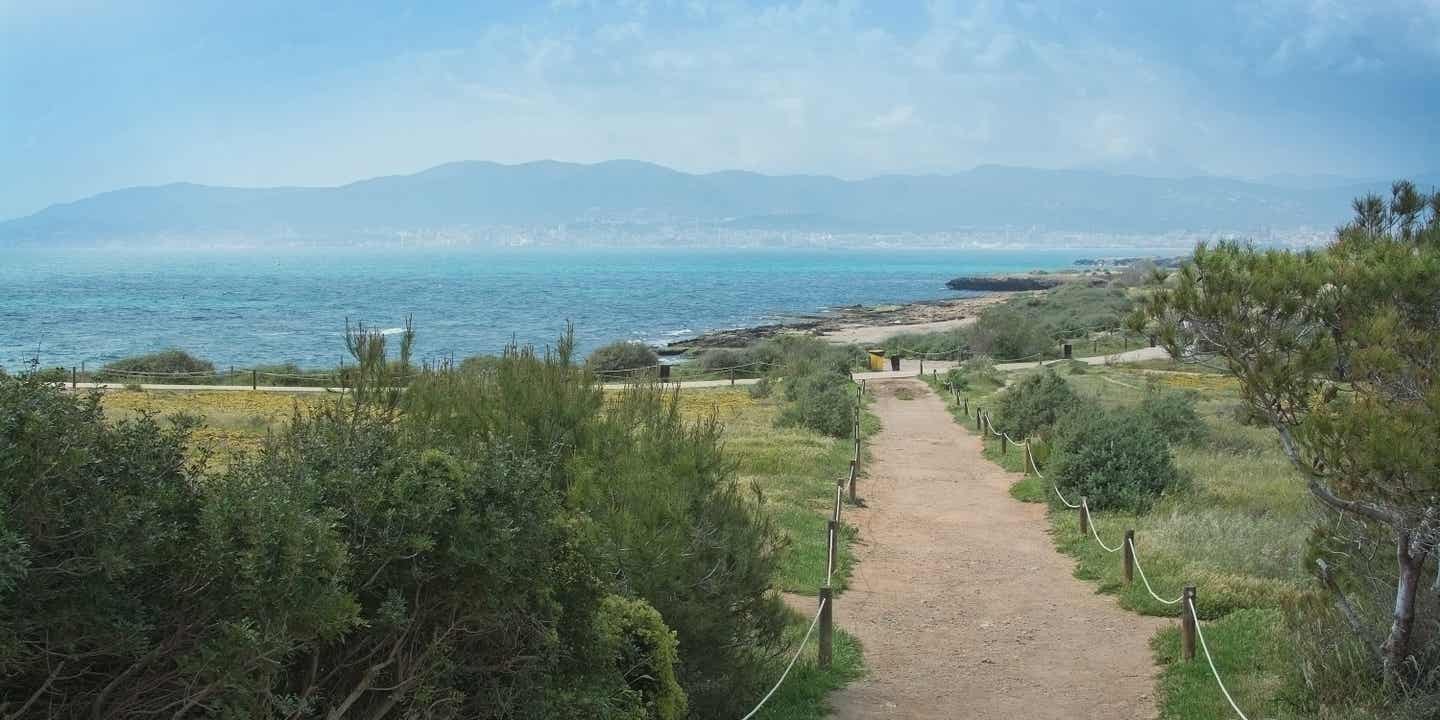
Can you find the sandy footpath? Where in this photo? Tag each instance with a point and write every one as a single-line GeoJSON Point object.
{"type": "Point", "coordinates": [964, 607]}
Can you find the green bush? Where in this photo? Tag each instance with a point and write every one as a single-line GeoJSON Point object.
{"type": "Point", "coordinates": [1173, 413]}
{"type": "Point", "coordinates": [480, 364]}
{"type": "Point", "coordinates": [165, 362]}
{"type": "Point", "coordinates": [663, 504]}
{"type": "Point", "coordinates": [820, 401]}
{"type": "Point", "coordinates": [451, 551]}
{"type": "Point", "coordinates": [725, 358]}
{"type": "Point", "coordinates": [1033, 405]}
{"type": "Point", "coordinates": [1116, 458]}
{"type": "Point", "coordinates": [1006, 333]}
{"type": "Point", "coordinates": [957, 378]}
{"type": "Point", "coordinates": [761, 388]}
{"type": "Point", "coordinates": [644, 652]}
{"type": "Point", "coordinates": [621, 356]}
{"type": "Point", "coordinates": [791, 355]}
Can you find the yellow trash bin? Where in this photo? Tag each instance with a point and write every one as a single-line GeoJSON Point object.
{"type": "Point", "coordinates": [877, 359]}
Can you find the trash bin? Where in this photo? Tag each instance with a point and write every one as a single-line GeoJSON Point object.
{"type": "Point", "coordinates": [877, 359]}
{"type": "Point", "coordinates": [895, 362]}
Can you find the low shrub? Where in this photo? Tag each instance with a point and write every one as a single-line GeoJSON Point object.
{"type": "Point", "coordinates": [623, 355]}
{"type": "Point", "coordinates": [480, 364]}
{"type": "Point", "coordinates": [957, 378]}
{"type": "Point", "coordinates": [1033, 405]}
{"type": "Point", "coordinates": [820, 401]}
{"type": "Point", "coordinates": [1116, 458]}
{"type": "Point", "coordinates": [166, 362]}
{"type": "Point", "coordinates": [793, 355]}
{"type": "Point", "coordinates": [1173, 413]}
{"type": "Point", "coordinates": [761, 388]}
{"type": "Point", "coordinates": [1007, 333]}
{"type": "Point", "coordinates": [730, 360]}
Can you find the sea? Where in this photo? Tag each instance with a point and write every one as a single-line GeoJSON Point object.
{"type": "Point", "coordinates": [244, 307]}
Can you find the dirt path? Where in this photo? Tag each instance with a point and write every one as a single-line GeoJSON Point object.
{"type": "Point", "coordinates": [963, 605]}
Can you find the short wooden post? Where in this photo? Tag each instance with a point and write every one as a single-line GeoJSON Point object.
{"type": "Point", "coordinates": [979, 411]}
{"type": "Point", "coordinates": [664, 373]}
{"type": "Point", "coordinates": [1187, 623]}
{"type": "Point", "coordinates": [853, 473]}
{"type": "Point", "coordinates": [922, 365]}
{"type": "Point", "coordinates": [831, 531]}
{"type": "Point", "coordinates": [1084, 515]}
{"type": "Point", "coordinates": [1004, 445]}
{"type": "Point", "coordinates": [732, 378]}
{"type": "Point", "coordinates": [74, 377]}
{"type": "Point", "coordinates": [967, 406]}
{"type": "Point", "coordinates": [1025, 470]}
{"type": "Point", "coordinates": [827, 627]}
{"type": "Point", "coordinates": [1129, 559]}
{"type": "Point", "coordinates": [254, 379]}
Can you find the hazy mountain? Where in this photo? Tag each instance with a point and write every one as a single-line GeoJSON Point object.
{"type": "Point", "coordinates": [476, 195]}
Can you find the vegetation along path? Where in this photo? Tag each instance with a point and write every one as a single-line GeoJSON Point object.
{"type": "Point", "coordinates": [963, 605]}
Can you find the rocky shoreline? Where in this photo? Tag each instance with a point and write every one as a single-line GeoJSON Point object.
{"type": "Point", "coordinates": [871, 325]}
{"type": "Point", "coordinates": [853, 323]}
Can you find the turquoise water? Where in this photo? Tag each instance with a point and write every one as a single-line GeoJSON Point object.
{"type": "Point", "coordinates": [246, 307]}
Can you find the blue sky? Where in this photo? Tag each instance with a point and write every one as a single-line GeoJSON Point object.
{"type": "Point", "coordinates": [99, 95]}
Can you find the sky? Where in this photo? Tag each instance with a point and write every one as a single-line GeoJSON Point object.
{"type": "Point", "coordinates": [96, 96]}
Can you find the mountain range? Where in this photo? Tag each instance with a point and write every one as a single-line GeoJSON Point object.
{"type": "Point", "coordinates": [485, 199]}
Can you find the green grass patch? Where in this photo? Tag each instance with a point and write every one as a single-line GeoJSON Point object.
{"type": "Point", "coordinates": [796, 472]}
{"type": "Point", "coordinates": [1250, 652]}
{"type": "Point", "coordinates": [802, 695]}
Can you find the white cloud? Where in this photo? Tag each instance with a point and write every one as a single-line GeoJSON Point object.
{"type": "Point", "coordinates": [896, 117]}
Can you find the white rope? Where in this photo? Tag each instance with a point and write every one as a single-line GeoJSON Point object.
{"type": "Point", "coordinates": [1068, 504]}
{"type": "Point", "coordinates": [1211, 661]}
{"type": "Point", "coordinates": [783, 675]}
{"type": "Point", "coordinates": [1091, 522]}
{"type": "Point", "coordinates": [1135, 557]}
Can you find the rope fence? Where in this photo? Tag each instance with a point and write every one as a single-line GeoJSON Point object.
{"type": "Point", "coordinates": [824, 614]}
{"type": "Point", "coordinates": [1190, 629]}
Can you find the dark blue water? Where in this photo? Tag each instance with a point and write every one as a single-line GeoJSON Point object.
{"type": "Point", "coordinates": [245, 307]}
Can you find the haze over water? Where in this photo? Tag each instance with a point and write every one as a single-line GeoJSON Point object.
{"type": "Point", "coordinates": [249, 307]}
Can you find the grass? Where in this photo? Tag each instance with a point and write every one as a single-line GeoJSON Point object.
{"type": "Point", "coordinates": [796, 472]}
{"type": "Point", "coordinates": [1249, 650]}
{"type": "Point", "coordinates": [1237, 531]}
{"type": "Point", "coordinates": [802, 695]}
{"type": "Point", "coordinates": [233, 420]}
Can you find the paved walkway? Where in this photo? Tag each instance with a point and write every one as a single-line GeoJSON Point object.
{"type": "Point", "coordinates": [962, 604]}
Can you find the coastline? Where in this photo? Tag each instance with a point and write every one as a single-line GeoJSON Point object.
{"type": "Point", "coordinates": [853, 324]}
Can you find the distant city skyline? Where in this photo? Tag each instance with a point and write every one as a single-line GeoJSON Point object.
{"type": "Point", "coordinates": [100, 96]}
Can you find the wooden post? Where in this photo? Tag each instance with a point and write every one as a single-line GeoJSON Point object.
{"type": "Point", "coordinates": [827, 627]}
{"type": "Point", "coordinates": [967, 406]}
{"type": "Point", "coordinates": [852, 481]}
{"type": "Point", "coordinates": [922, 364]}
{"type": "Point", "coordinates": [1129, 559]}
{"type": "Point", "coordinates": [831, 531]}
{"type": "Point", "coordinates": [1187, 623]}
{"type": "Point", "coordinates": [1004, 445]}
{"type": "Point", "coordinates": [1084, 515]}
{"type": "Point", "coordinates": [1025, 469]}
{"type": "Point", "coordinates": [732, 378]}
{"type": "Point", "coordinates": [74, 377]}
{"type": "Point", "coordinates": [254, 379]}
